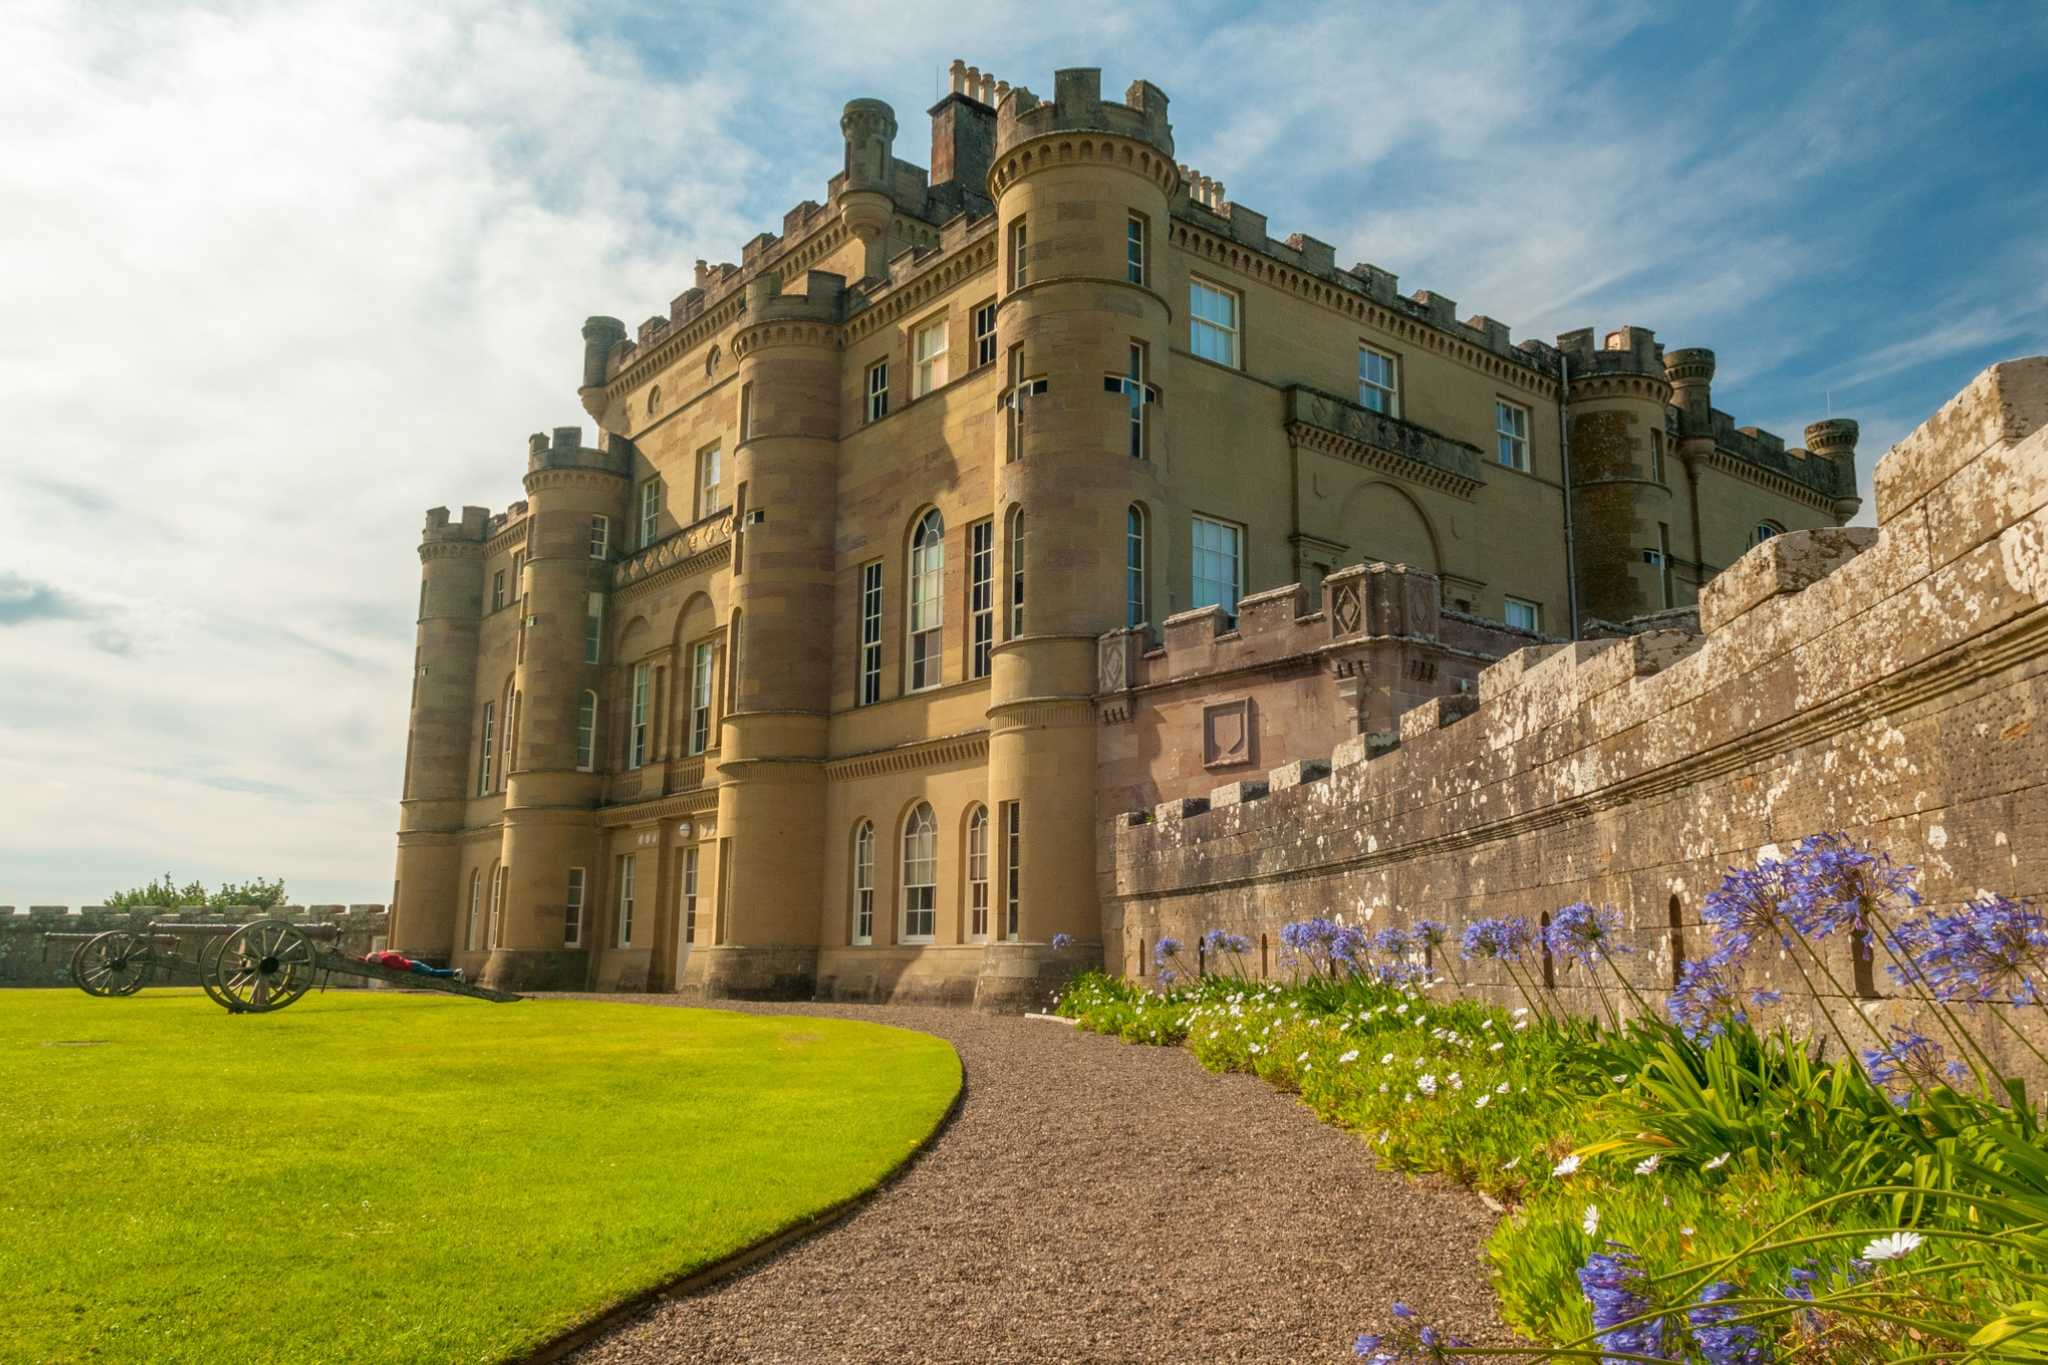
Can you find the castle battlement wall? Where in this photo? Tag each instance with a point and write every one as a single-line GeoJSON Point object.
{"type": "Point", "coordinates": [25, 960]}
{"type": "Point", "coordinates": [1892, 684]}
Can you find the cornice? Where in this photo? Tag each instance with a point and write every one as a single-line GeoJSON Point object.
{"type": "Point", "coordinates": [928, 753]}
{"type": "Point", "coordinates": [1075, 146]}
{"type": "Point", "coordinates": [658, 808]}
{"type": "Point", "coordinates": [678, 342]}
{"type": "Point", "coordinates": [701, 545]}
{"type": "Point", "coordinates": [1654, 388]}
{"type": "Point", "coordinates": [1227, 253]}
{"type": "Point", "coordinates": [971, 260]}
{"type": "Point", "coordinates": [784, 332]}
{"type": "Point", "coordinates": [1729, 463]}
{"type": "Point", "coordinates": [574, 476]}
{"type": "Point", "coordinates": [513, 534]}
{"type": "Point", "coordinates": [451, 549]}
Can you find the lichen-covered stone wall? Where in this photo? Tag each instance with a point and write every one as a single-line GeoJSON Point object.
{"type": "Point", "coordinates": [1890, 684]}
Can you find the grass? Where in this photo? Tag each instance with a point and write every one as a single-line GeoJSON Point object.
{"type": "Point", "coordinates": [370, 1176]}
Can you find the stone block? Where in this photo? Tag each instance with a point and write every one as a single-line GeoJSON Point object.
{"type": "Point", "coordinates": [1236, 793]}
{"type": "Point", "coordinates": [2005, 403]}
{"type": "Point", "coordinates": [1172, 812]}
{"type": "Point", "coordinates": [1783, 564]}
{"type": "Point", "coordinates": [1434, 714]}
{"type": "Point", "coordinates": [1297, 773]}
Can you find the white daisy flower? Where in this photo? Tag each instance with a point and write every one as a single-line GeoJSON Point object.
{"type": "Point", "coordinates": [1892, 1246]}
{"type": "Point", "coordinates": [1302, 1058]}
{"type": "Point", "coordinates": [1495, 1047]}
{"type": "Point", "coordinates": [1253, 1047]}
{"type": "Point", "coordinates": [1427, 1085]}
{"type": "Point", "coordinates": [1501, 1089]}
{"type": "Point", "coordinates": [1591, 1222]}
{"type": "Point", "coordinates": [1350, 1056]}
{"type": "Point", "coordinates": [1567, 1166]}
{"type": "Point", "coordinates": [1510, 1165]}
{"type": "Point", "coordinates": [1717, 1162]}
{"type": "Point", "coordinates": [1480, 1103]}
{"type": "Point", "coordinates": [1457, 1081]}
{"type": "Point", "coordinates": [1387, 1060]}
{"type": "Point", "coordinates": [1383, 1087]}
{"type": "Point", "coordinates": [1649, 1163]}
{"type": "Point", "coordinates": [1619, 1079]}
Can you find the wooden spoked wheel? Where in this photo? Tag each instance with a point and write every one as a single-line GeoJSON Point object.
{"type": "Point", "coordinates": [262, 967]}
{"type": "Point", "coordinates": [113, 964]}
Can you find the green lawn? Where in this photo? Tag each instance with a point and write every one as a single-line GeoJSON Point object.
{"type": "Point", "coordinates": [370, 1176]}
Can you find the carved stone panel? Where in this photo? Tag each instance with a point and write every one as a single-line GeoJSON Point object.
{"type": "Point", "coordinates": [1229, 734]}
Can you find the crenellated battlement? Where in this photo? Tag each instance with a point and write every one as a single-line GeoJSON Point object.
{"type": "Point", "coordinates": [1885, 683]}
{"type": "Point", "coordinates": [1077, 106]}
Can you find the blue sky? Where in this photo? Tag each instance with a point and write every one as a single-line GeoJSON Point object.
{"type": "Point", "coordinates": [289, 274]}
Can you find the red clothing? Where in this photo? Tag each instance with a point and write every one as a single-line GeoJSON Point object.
{"type": "Point", "coordinates": [397, 962]}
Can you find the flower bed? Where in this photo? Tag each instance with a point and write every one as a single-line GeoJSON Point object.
{"type": "Point", "coordinates": [1680, 1185]}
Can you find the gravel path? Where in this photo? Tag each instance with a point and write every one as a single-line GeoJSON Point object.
{"type": "Point", "coordinates": [1095, 1201]}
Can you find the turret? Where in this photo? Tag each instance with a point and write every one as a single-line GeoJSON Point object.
{"type": "Point", "coordinates": [567, 571]}
{"type": "Point", "coordinates": [1835, 439]}
{"type": "Point", "coordinates": [1073, 180]}
{"type": "Point", "coordinates": [600, 335]}
{"type": "Point", "coordinates": [438, 737]}
{"type": "Point", "coordinates": [866, 204]}
{"type": "Point", "coordinates": [1622, 476]}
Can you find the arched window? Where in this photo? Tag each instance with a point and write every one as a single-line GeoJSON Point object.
{"type": "Point", "coordinates": [505, 746]}
{"type": "Point", "coordinates": [977, 874]}
{"type": "Point", "coordinates": [653, 401]}
{"type": "Point", "coordinates": [1016, 539]}
{"type": "Point", "coordinates": [711, 363]}
{"type": "Point", "coordinates": [586, 732]}
{"type": "Point", "coordinates": [1134, 565]}
{"type": "Point", "coordinates": [927, 599]}
{"type": "Point", "coordinates": [1764, 531]}
{"type": "Point", "coordinates": [494, 927]}
{"type": "Point", "coordinates": [1549, 963]}
{"type": "Point", "coordinates": [920, 875]}
{"type": "Point", "coordinates": [864, 883]}
{"type": "Point", "coordinates": [1675, 915]}
{"type": "Point", "coordinates": [476, 894]}
{"type": "Point", "coordinates": [732, 663]}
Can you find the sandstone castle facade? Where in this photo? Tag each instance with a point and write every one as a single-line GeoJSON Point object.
{"type": "Point", "coordinates": [987, 502]}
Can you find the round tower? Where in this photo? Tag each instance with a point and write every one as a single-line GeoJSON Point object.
{"type": "Point", "coordinates": [1834, 439]}
{"type": "Point", "coordinates": [437, 746]}
{"type": "Point", "coordinates": [553, 780]}
{"type": "Point", "coordinates": [1069, 180]}
{"type": "Point", "coordinates": [1622, 473]}
{"type": "Point", "coordinates": [865, 203]}
{"type": "Point", "coordinates": [779, 632]}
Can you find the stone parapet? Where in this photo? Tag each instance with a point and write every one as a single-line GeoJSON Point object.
{"type": "Point", "coordinates": [26, 960]}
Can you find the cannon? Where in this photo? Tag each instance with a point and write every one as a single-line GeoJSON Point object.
{"type": "Point", "coordinates": [244, 968]}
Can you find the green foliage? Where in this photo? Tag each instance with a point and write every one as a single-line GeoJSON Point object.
{"type": "Point", "coordinates": [264, 895]}
{"type": "Point", "coordinates": [378, 1177]}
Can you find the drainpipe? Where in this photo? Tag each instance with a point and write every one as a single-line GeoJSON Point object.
{"type": "Point", "coordinates": [1564, 446]}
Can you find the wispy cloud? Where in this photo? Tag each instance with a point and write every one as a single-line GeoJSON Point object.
{"type": "Point", "coordinates": [302, 270]}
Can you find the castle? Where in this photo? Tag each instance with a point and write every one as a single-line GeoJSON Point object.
{"type": "Point", "coordinates": [985, 503]}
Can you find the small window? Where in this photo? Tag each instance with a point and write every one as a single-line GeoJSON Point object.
{"type": "Point", "coordinates": [626, 900]}
{"type": "Point", "coordinates": [711, 363]}
{"type": "Point", "coordinates": [1665, 585]}
{"type": "Point", "coordinates": [710, 494]}
{"type": "Point", "coordinates": [1138, 395]}
{"type": "Point", "coordinates": [476, 895]}
{"type": "Point", "coordinates": [1764, 531]}
{"type": "Point", "coordinates": [864, 883]}
{"type": "Point", "coordinates": [700, 697]}
{"type": "Point", "coordinates": [498, 590]}
{"type": "Point", "coordinates": [586, 732]}
{"type": "Point", "coordinates": [690, 860]}
{"type": "Point", "coordinates": [650, 511]}
{"type": "Point", "coordinates": [636, 733]}
{"type": "Point", "coordinates": [1377, 388]}
{"type": "Point", "coordinates": [1134, 566]}
{"type": "Point", "coordinates": [1524, 615]}
{"type": "Point", "coordinates": [1013, 863]}
{"type": "Point", "coordinates": [1657, 455]}
{"type": "Point", "coordinates": [483, 776]}
{"type": "Point", "coordinates": [1016, 399]}
{"type": "Point", "coordinates": [653, 402]}
{"type": "Point", "coordinates": [1213, 323]}
{"type": "Point", "coordinates": [1016, 572]}
{"type": "Point", "coordinates": [927, 587]}
{"type": "Point", "coordinates": [746, 410]}
{"type": "Point", "coordinates": [1020, 269]}
{"type": "Point", "coordinates": [920, 875]}
{"type": "Point", "coordinates": [930, 344]}
{"type": "Point", "coordinates": [518, 568]}
{"type": "Point", "coordinates": [868, 682]}
{"type": "Point", "coordinates": [572, 910]}
{"type": "Point", "coordinates": [985, 334]}
{"type": "Point", "coordinates": [593, 628]}
{"type": "Point", "coordinates": [1134, 248]}
{"type": "Point", "coordinates": [878, 391]}
{"type": "Point", "coordinates": [1511, 431]}
{"type": "Point", "coordinates": [1218, 565]}
{"type": "Point", "coordinates": [977, 875]}
{"type": "Point", "coordinates": [600, 537]}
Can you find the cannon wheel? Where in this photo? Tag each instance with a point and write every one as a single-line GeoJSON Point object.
{"type": "Point", "coordinates": [113, 964]}
{"type": "Point", "coordinates": [262, 967]}
{"type": "Point", "coordinates": [209, 972]}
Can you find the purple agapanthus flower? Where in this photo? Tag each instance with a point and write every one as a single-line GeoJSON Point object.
{"type": "Point", "coordinates": [1614, 1285]}
{"type": "Point", "coordinates": [1989, 951]}
{"type": "Point", "coordinates": [1586, 932]}
{"type": "Point", "coordinates": [1432, 933]}
{"type": "Point", "coordinates": [1221, 941]}
{"type": "Point", "coordinates": [1393, 941]}
{"type": "Point", "coordinates": [1910, 1059]}
{"type": "Point", "coordinates": [1721, 1342]}
{"type": "Point", "coordinates": [1836, 884]}
{"type": "Point", "coordinates": [1164, 949]}
{"type": "Point", "coordinates": [1060, 941]}
{"type": "Point", "coordinates": [1501, 940]}
{"type": "Point", "coordinates": [1706, 1000]}
{"type": "Point", "coordinates": [1748, 908]}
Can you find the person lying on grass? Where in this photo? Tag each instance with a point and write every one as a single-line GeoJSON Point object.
{"type": "Point", "coordinates": [399, 962]}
